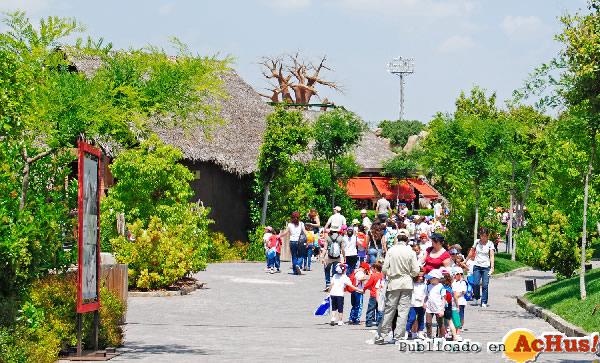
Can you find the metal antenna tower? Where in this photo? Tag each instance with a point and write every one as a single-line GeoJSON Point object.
{"type": "Point", "coordinates": [401, 67]}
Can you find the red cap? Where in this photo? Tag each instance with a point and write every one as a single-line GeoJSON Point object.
{"type": "Point", "coordinates": [423, 235]}
{"type": "Point", "coordinates": [365, 265]}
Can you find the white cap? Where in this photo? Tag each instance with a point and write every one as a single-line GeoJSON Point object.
{"type": "Point", "coordinates": [338, 208]}
{"type": "Point", "coordinates": [363, 211]}
{"type": "Point", "coordinates": [434, 274]}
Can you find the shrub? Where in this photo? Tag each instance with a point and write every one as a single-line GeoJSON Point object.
{"type": "Point", "coordinates": [162, 253]}
{"type": "Point", "coordinates": [255, 248]}
{"type": "Point", "coordinates": [48, 320]}
{"type": "Point", "coordinates": [400, 130]}
{"type": "Point", "coordinates": [219, 249]}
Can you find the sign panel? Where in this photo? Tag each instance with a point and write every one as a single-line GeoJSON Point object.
{"type": "Point", "coordinates": [88, 289]}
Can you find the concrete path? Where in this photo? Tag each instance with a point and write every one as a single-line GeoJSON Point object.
{"type": "Point", "coordinates": [245, 314]}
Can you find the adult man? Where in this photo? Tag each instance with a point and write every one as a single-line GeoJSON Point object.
{"type": "Point", "coordinates": [383, 207]}
{"type": "Point", "coordinates": [399, 267]}
{"type": "Point", "coordinates": [365, 220]}
{"type": "Point", "coordinates": [336, 221]}
{"type": "Point", "coordinates": [437, 209]}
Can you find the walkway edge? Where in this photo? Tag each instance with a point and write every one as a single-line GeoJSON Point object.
{"type": "Point", "coordinates": [556, 321]}
{"type": "Point", "coordinates": [511, 272]}
{"type": "Point", "coordinates": [184, 291]}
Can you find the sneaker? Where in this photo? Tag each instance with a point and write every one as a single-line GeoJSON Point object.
{"type": "Point", "coordinates": [272, 271]}
{"type": "Point", "coordinates": [376, 341]}
{"type": "Point", "coordinates": [298, 270]}
{"type": "Point", "coordinates": [326, 289]}
{"type": "Point", "coordinates": [483, 305]}
{"type": "Point", "coordinates": [406, 336]}
{"type": "Point", "coordinates": [475, 302]}
{"type": "Point", "coordinates": [267, 269]}
{"type": "Point", "coordinates": [421, 335]}
{"type": "Point", "coordinates": [340, 322]}
{"type": "Point", "coordinates": [278, 271]}
{"type": "Point", "coordinates": [459, 338]}
{"type": "Point", "coordinates": [368, 325]}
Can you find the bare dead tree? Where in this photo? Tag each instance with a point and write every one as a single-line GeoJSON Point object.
{"type": "Point", "coordinates": [306, 76]}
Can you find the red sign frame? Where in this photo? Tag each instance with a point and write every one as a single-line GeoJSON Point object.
{"type": "Point", "coordinates": [84, 148]}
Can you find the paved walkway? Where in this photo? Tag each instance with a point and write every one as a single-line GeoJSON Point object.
{"type": "Point", "coordinates": [245, 314]}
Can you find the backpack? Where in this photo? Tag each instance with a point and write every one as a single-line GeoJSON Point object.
{"type": "Point", "coordinates": [334, 249]}
{"type": "Point", "coordinates": [389, 238]}
{"type": "Point", "coordinates": [448, 295]}
{"type": "Point", "coordinates": [469, 293]}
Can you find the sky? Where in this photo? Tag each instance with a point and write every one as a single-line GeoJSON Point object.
{"type": "Point", "coordinates": [456, 44]}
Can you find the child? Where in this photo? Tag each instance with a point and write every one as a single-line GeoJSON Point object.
{"type": "Point", "coordinates": [336, 292]}
{"type": "Point", "coordinates": [359, 278]}
{"type": "Point", "coordinates": [419, 253]}
{"type": "Point", "coordinates": [459, 287]}
{"type": "Point", "coordinates": [451, 302]}
{"type": "Point", "coordinates": [274, 242]}
{"type": "Point", "coordinates": [361, 244]}
{"type": "Point", "coordinates": [373, 316]}
{"type": "Point", "coordinates": [433, 303]}
{"type": "Point", "coordinates": [417, 312]}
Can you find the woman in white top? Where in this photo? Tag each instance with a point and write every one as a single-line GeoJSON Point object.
{"type": "Point", "coordinates": [295, 228]}
{"type": "Point", "coordinates": [482, 253]}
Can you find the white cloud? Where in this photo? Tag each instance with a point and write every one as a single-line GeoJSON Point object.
{"type": "Point", "coordinates": [423, 8]}
{"type": "Point", "coordinates": [165, 9]}
{"type": "Point", "coordinates": [522, 26]}
{"type": "Point", "coordinates": [457, 44]}
{"type": "Point", "coordinates": [30, 6]}
{"type": "Point", "coordinates": [288, 4]}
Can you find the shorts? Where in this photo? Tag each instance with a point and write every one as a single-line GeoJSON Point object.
{"type": "Point", "coordinates": [337, 303]}
{"type": "Point", "coordinates": [456, 318]}
{"type": "Point", "coordinates": [448, 312]}
{"type": "Point", "coordinates": [461, 311]}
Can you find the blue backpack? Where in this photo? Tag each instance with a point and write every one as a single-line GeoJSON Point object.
{"type": "Point", "coordinates": [469, 293]}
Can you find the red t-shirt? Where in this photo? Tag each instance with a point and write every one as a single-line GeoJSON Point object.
{"type": "Point", "coordinates": [370, 285]}
{"type": "Point", "coordinates": [434, 263]}
{"type": "Point", "coordinates": [274, 241]}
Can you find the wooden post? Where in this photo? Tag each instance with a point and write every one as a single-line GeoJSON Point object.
{"type": "Point", "coordinates": [286, 254]}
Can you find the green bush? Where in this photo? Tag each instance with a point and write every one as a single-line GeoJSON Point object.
{"type": "Point", "coordinates": [163, 253]}
{"type": "Point", "coordinates": [218, 249]}
{"type": "Point", "coordinates": [399, 131]}
{"type": "Point", "coordinates": [255, 248]}
{"type": "Point", "coordinates": [47, 320]}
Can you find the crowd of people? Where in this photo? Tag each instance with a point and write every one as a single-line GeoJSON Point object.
{"type": "Point", "coordinates": [413, 278]}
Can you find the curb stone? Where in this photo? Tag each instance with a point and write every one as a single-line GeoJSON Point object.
{"type": "Point", "coordinates": [511, 273]}
{"type": "Point", "coordinates": [185, 291]}
{"type": "Point", "coordinates": [556, 321]}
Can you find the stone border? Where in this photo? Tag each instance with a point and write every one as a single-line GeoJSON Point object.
{"type": "Point", "coordinates": [511, 272]}
{"type": "Point", "coordinates": [556, 321]}
{"type": "Point", "coordinates": [185, 291]}
{"type": "Point", "coordinates": [239, 261]}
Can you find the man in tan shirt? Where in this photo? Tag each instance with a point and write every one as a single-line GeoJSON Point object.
{"type": "Point", "coordinates": [399, 267]}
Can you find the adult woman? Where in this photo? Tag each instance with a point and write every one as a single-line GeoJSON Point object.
{"type": "Point", "coordinates": [421, 227]}
{"type": "Point", "coordinates": [375, 241]}
{"type": "Point", "coordinates": [483, 254]}
{"type": "Point", "coordinates": [294, 229]}
{"type": "Point", "coordinates": [313, 225]}
{"type": "Point", "coordinates": [437, 255]}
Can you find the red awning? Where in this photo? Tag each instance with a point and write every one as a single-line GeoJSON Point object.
{"type": "Point", "coordinates": [360, 188]}
{"type": "Point", "coordinates": [423, 188]}
{"type": "Point", "coordinates": [403, 191]}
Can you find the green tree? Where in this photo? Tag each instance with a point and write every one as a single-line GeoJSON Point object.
{"type": "Point", "coordinates": [286, 135]}
{"type": "Point", "coordinates": [400, 130]}
{"type": "Point", "coordinates": [401, 167]}
{"type": "Point", "coordinates": [336, 133]}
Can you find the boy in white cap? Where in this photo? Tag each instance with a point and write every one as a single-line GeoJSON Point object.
{"type": "Point", "coordinates": [336, 292]}
{"type": "Point", "coordinates": [336, 221]}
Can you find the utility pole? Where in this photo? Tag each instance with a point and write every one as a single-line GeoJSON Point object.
{"type": "Point", "coordinates": [401, 67]}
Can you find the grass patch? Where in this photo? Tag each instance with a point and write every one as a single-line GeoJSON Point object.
{"type": "Point", "coordinates": [503, 263]}
{"type": "Point", "coordinates": [562, 298]}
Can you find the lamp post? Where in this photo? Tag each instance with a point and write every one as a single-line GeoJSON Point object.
{"type": "Point", "coordinates": [401, 66]}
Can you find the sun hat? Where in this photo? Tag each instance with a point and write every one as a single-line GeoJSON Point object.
{"type": "Point", "coordinates": [403, 232]}
{"type": "Point", "coordinates": [269, 228]}
{"type": "Point", "coordinates": [458, 270]}
{"type": "Point", "coordinates": [434, 274]}
{"type": "Point", "coordinates": [363, 211]}
{"type": "Point", "coordinates": [338, 208]}
{"type": "Point", "coordinates": [355, 221]}
{"type": "Point", "coordinates": [445, 271]}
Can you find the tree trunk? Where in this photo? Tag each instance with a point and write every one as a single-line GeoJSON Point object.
{"type": "Point", "coordinates": [332, 171]}
{"type": "Point", "coordinates": [521, 211]}
{"type": "Point", "coordinates": [26, 171]}
{"type": "Point", "coordinates": [509, 241]}
{"type": "Point", "coordinates": [263, 216]}
{"type": "Point", "coordinates": [476, 212]}
{"type": "Point", "coordinates": [585, 207]}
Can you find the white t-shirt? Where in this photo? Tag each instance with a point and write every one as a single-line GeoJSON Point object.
{"type": "Point", "coordinates": [404, 211]}
{"type": "Point", "coordinates": [366, 222]}
{"type": "Point", "coordinates": [359, 275]}
{"type": "Point", "coordinates": [350, 245]}
{"type": "Point", "coordinates": [295, 231]}
{"type": "Point", "coordinates": [435, 303]}
{"type": "Point", "coordinates": [382, 206]}
{"type": "Point", "coordinates": [338, 283]}
{"type": "Point", "coordinates": [437, 209]}
{"type": "Point", "coordinates": [470, 264]}
{"type": "Point", "coordinates": [336, 221]}
{"type": "Point", "coordinates": [482, 253]}
{"type": "Point", "coordinates": [422, 228]}
{"type": "Point", "coordinates": [418, 295]}
{"type": "Point", "coordinates": [266, 237]}
{"type": "Point", "coordinates": [459, 287]}
{"type": "Point", "coordinates": [411, 228]}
